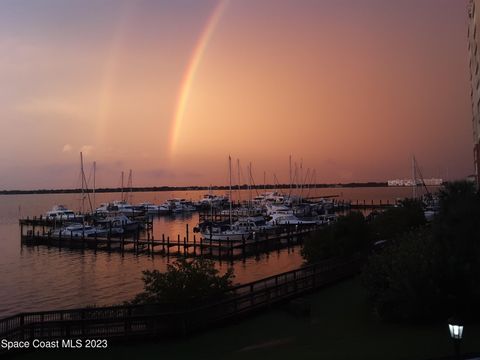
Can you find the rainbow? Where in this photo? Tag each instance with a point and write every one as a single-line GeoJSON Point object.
{"type": "Point", "coordinates": [190, 71]}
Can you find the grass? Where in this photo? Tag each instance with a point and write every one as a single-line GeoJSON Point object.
{"type": "Point", "coordinates": [341, 326]}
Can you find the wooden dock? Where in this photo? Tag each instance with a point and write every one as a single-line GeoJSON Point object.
{"type": "Point", "coordinates": [188, 245]}
{"type": "Point", "coordinates": [160, 321]}
{"type": "Point", "coordinates": [371, 204]}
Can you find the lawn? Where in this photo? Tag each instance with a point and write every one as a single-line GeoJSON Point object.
{"type": "Point", "coordinates": [341, 326]}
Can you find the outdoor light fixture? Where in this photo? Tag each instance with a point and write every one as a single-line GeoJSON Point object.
{"type": "Point", "coordinates": [455, 326]}
{"type": "Point", "coordinates": [456, 331]}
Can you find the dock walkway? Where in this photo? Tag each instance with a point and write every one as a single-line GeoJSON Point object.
{"type": "Point", "coordinates": [160, 321]}
{"type": "Point", "coordinates": [187, 245]}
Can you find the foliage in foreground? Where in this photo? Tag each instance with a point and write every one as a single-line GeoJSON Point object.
{"type": "Point", "coordinates": [353, 233]}
{"type": "Point", "coordinates": [348, 235]}
{"type": "Point", "coordinates": [432, 273]}
{"type": "Point", "coordinates": [398, 220]}
{"type": "Point", "coordinates": [185, 281]}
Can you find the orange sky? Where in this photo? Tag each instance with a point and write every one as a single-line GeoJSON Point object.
{"type": "Point", "coordinates": [170, 89]}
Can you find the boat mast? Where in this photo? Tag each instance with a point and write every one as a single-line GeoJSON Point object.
{"type": "Point", "coordinates": [290, 163]}
{"type": "Point", "coordinates": [83, 183]}
{"type": "Point", "coordinates": [94, 174]}
{"type": "Point", "coordinates": [130, 184]}
{"type": "Point", "coordinates": [250, 185]}
{"type": "Point", "coordinates": [230, 187]}
{"type": "Point", "coordinates": [414, 179]}
{"type": "Point", "coordinates": [238, 175]}
{"type": "Point", "coordinates": [264, 181]}
{"type": "Point", "coordinates": [301, 180]}
{"type": "Point", "coordinates": [121, 197]}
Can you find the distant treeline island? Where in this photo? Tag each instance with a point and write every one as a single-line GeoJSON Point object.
{"type": "Point", "coordinates": [189, 188]}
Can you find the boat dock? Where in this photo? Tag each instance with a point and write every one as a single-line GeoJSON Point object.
{"type": "Point", "coordinates": [371, 205]}
{"type": "Point", "coordinates": [188, 245]}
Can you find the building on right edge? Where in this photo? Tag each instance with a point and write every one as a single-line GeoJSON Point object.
{"type": "Point", "coordinates": [473, 9]}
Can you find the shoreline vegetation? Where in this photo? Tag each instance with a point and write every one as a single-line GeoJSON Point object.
{"type": "Point", "coordinates": [191, 188]}
{"type": "Point", "coordinates": [416, 276]}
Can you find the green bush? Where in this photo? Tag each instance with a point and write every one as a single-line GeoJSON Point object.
{"type": "Point", "coordinates": [401, 280]}
{"type": "Point", "coordinates": [433, 272]}
{"type": "Point", "coordinates": [398, 220]}
{"type": "Point", "coordinates": [348, 235]}
{"type": "Point", "coordinates": [185, 281]}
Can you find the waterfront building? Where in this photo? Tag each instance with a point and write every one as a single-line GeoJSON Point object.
{"type": "Point", "coordinates": [473, 10]}
{"type": "Point", "coordinates": [409, 182]}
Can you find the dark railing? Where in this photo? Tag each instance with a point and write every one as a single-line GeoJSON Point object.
{"type": "Point", "coordinates": [130, 321]}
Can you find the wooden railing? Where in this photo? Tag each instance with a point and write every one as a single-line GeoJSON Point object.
{"type": "Point", "coordinates": [160, 320]}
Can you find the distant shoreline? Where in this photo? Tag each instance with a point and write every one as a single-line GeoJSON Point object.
{"type": "Point", "coordinates": [188, 188]}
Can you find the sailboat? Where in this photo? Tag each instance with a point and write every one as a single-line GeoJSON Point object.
{"type": "Point", "coordinates": [121, 206]}
{"type": "Point", "coordinates": [224, 231]}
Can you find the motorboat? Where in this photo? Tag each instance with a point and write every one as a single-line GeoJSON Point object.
{"type": "Point", "coordinates": [272, 197]}
{"type": "Point", "coordinates": [289, 219]}
{"type": "Point", "coordinates": [225, 233]}
{"type": "Point", "coordinates": [278, 209]}
{"type": "Point", "coordinates": [120, 221]}
{"type": "Point", "coordinates": [212, 201]}
{"type": "Point", "coordinates": [60, 212]}
{"type": "Point", "coordinates": [253, 223]}
{"type": "Point", "coordinates": [179, 205]}
{"type": "Point", "coordinates": [152, 209]}
{"type": "Point", "coordinates": [79, 230]}
{"type": "Point", "coordinates": [117, 207]}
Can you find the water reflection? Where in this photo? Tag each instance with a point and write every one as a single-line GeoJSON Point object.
{"type": "Point", "coordinates": [43, 278]}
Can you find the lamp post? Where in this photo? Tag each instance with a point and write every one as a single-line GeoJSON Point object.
{"type": "Point", "coordinates": [455, 326]}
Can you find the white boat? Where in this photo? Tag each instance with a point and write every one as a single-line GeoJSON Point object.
{"type": "Point", "coordinates": [226, 234]}
{"type": "Point", "coordinates": [117, 207]}
{"type": "Point", "coordinates": [253, 223]}
{"type": "Point", "coordinates": [60, 212]}
{"type": "Point", "coordinates": [271, 197]}
{"type": "Point", "coordinates": [152, 209]}
{"type": "Point", "coordinates": [120, 221]}
{"type": "Point", "coordinates": [210, 200]}
{"type": "Point", "coordinates": [289, 219]}
{"type": "Point", "coordinates": [179, 205]}
{"type": "Point", "coordinates": [79, 230]}
{"type": "Point", "coordinates": [278, 209]}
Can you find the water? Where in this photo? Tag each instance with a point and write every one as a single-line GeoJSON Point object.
{"type": "Point", "coordinates": [42, 278]}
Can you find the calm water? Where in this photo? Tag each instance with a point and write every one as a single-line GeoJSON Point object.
{"type": "Point", "coordinates": [42, 278]}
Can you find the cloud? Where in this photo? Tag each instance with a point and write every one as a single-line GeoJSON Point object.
{"type": "Point", "coordinates": [86, 149]}
{"type": "Point", "coordinates": [67, 148]}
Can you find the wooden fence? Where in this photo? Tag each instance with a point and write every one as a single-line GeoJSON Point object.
{"type": "Point", "coordinates": [157, 320]}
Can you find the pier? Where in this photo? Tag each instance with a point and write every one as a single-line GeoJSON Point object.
{"type": "Point", "coordinates": [364, 205]}
{"type": "Point", "coordinates": [189, 245]}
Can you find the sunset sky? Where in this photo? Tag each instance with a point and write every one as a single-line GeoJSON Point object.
{"type": "Point", "coordinates": [170, 88]}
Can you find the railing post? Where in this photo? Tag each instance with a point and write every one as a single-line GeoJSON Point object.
{"type": "Point", "coordinates": [82, 316]}
{"type": "Point", "coordinates": [22, 324]}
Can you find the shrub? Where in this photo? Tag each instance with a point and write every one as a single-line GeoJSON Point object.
{"type": "Point", "coordinates": [398, 220]}
{"type": "Point", "coordinates": [348, 235]}
{"type": "Point", "coordinates": [432, 273]}
{"type": "Point", "coordinates": [184, 282]}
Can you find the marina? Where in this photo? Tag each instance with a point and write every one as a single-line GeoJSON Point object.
{"type": "Point", "coordinates": [231, 179]}
{"type": "Point", "coordinates": [105, 277]}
